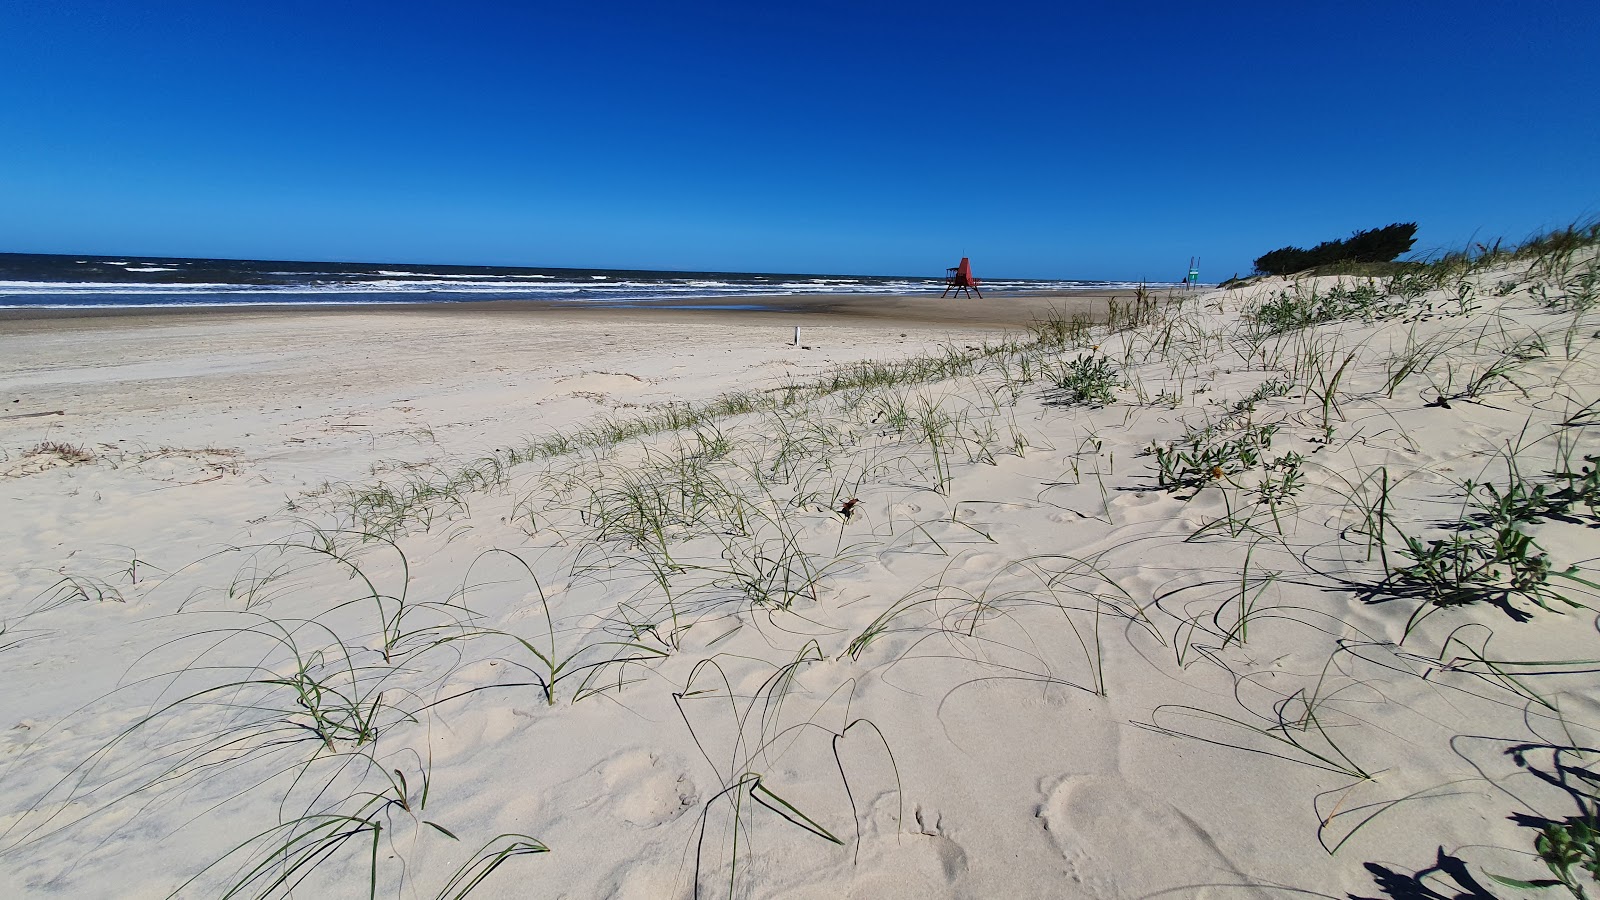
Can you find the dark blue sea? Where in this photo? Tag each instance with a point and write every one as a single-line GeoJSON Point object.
{"type": "Point", "coordinates": [41, 281]}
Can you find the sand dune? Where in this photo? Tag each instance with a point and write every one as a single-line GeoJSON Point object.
{"type": "Point", "coordinates": [1231, 595]}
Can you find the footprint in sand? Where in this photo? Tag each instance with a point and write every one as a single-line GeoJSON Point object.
{"type": "Point", "coordinates": [913, 863]}
{"type": "Point", "coordinates": [952, 859]}
{"type": "Point", "coordinates": [636, 881]}
{"type": "Point", "coordinates": [645, 790]}
{"type": "Point", "coordinates": [984, 565]}
{"type": "Point", "coordinates": [1144, 506]}
{"type": "Point", "coordinates": [1121, 842]}
{"type": "Point", "coordinates": [470, 733]}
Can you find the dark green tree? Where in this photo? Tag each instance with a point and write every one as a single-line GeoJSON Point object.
{"type": "Point", "coordinates": [1374, 245]}
{"type": "Point", "coordinates": [1381, 244]}
{"type": "Point", "coordinates": [1283, 261]}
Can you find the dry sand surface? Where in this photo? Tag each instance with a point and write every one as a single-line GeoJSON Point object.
{"type": "Point", "coordinates": [506, 601]}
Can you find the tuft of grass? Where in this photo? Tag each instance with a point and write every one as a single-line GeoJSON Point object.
{"type": "Point", "coordinates": [77, 589]}
{"type": "Point", "coordinates": [1487, 554]}
{"type": "Point", "coordinates": [1303, 306]}
{"type": "Point", "coordinates": [1479, 380]}
{"type": "Point", "coordinates": [763, 732]}
{"type": "Point", "coordinates": [1088, 380]}
{"type": "Point", "coordinates": [1565, 847]}
{"type": "Point", "coordinates": [69, 453]}
{"type": "Point", "coordinates": [1059, 332]}
{"type": "Point", "coordinates": [1210, 454]}
{"type": "Point", "coordinates": [1270, 389]}
{"type": "Point", "coordinates": [1568, 846]}
{"type": "Point", "coordinates": [1296, 731]}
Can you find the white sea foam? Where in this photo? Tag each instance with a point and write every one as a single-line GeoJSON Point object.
{"type": "Point", "coordinates": [9, 288]}
{"type": "Point", "coordinates": [311, 286]}
{"type": "Point", "coordinates": [476, 285]}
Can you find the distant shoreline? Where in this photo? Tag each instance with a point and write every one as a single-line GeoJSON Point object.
{"type": "Point", "coordinates": [1001, 310]}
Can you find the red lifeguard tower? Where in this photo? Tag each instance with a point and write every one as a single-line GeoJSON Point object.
{"type": "Point", "coordinates": [960, 279]}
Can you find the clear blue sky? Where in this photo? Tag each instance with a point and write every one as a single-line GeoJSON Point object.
{"type": "Point", "coordinates": [1052, 139]}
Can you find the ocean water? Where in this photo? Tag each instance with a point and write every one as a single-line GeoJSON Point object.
{"type": "Point", "coordinates": [35, 281]}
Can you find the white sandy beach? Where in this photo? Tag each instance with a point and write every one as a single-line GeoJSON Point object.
{"type": "Point", "coordinates": [300, 603]}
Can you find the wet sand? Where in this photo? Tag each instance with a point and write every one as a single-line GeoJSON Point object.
{"type": "Point", "coordinates": [996, 311]}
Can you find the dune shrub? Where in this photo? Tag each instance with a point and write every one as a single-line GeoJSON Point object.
{"type": "Point", "coordinates": [1376, 245]}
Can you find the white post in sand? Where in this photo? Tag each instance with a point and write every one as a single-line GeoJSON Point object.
{"type": "Point", "coordinates": [797, 335]}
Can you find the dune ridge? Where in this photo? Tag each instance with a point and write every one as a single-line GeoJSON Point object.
{"type": "Point", "coordinates": [1281, 590]}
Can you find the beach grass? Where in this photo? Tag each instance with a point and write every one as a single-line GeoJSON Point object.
{"type": "Point", "coordinates": [733, 557]}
